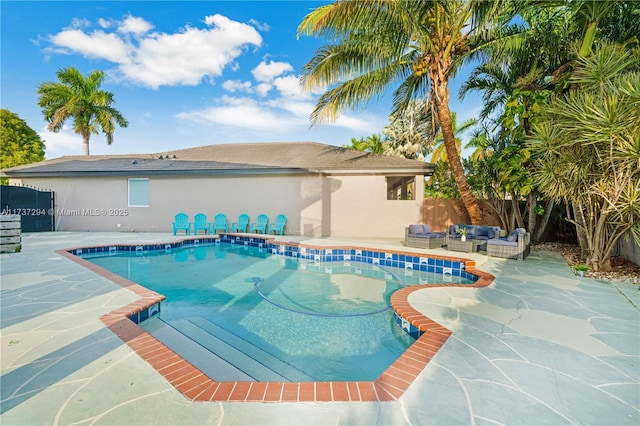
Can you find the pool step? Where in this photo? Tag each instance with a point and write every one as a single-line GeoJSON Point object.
{"type": "Point", "coordinates": [247, 357]}
{"type": "Point", "coordinates": [209, 363]}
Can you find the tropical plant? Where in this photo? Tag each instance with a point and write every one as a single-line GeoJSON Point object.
{"type": "Point", "coordinates": [439, 151]}
{"type": "Point", "coordinates": [587, 146]}
{"type": "Point", "coordinates": [81, 100]}
{"type": "Point", "coordinates": [410, 132]}
{"type": "Point", "coordinates": [19, 143]}
{"type": "Point", "coordinates": [373, 143]}
{"type": "Point", "coordinates": [441, 183]}
{"type": "Point", "coordinates": [416, 44]}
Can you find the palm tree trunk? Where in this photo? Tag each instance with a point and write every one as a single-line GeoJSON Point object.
{"type": "Point", "coordinates": [85, 143]}
{"type": "Point", "coordinates": [441, 95]}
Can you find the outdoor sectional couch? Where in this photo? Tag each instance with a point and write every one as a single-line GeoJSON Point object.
{"type": "Point", "coordinates": [474, 232]}
{"type": "Point", "coordinates": [421, 236]}
{"type": "Point", "coordinates": [514, 246]}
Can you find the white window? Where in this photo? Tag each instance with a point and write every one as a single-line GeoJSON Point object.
{"type": "Point", "coordinates": [138, 192]}
{"type": "Point", "coordinates": [401, 188]}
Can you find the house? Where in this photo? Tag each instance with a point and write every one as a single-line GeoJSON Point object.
{"type": "Point", "coordinates": [324, 190]}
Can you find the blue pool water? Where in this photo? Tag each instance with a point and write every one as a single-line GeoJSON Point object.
{"type": "Point", "coordinates": [269, 317]}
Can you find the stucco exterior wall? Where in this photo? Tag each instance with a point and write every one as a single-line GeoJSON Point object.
{"type": "Point", "coordinates": [341, 206]}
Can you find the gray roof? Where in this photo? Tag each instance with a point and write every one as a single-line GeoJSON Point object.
{"type": "Point", "coordinates": [247, 158]}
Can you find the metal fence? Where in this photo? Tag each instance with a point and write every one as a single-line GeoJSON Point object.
{"type": "Point", "coordinates": [35, 207]}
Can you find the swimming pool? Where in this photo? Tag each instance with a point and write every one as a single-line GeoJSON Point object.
{"type": "Point", "coordinates": [293, 318]}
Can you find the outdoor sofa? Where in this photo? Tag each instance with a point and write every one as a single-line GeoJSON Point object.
{"type": "Point", "coordinates": [421, 236]}
{"type": "Point", "coordinates": [474, 232]}
{"type": "Point", "coordinates": [515, 246]}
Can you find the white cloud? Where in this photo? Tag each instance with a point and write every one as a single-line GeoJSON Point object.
{"type": "Point", "coordinates": [266, 72]}
{"type": "Point", "coordinates": [285, 115]}
{"type": "Point", "coordinates": [104, 23]}
{"type": "Point", "coordinates": [237, 85]}
{"type": "Point", "coordinates": [65, 142]}
{"type": "Point", "coordinates": [238, 112]}
{"type": "Point", "coordinates": [260, 25]}
{"type": "Point", "coordinates": [97, 44]}
{"type": "Point", "coordinates": [290, 86]}
{"type": "Point", "coordinates": [263, 89]}
{"type": "Point", "coordinates": [157, 59]}
{"type": "Point", "coordinates": [136, 26]}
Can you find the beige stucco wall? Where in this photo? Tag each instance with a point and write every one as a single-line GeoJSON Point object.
{"type": "Point", "coordinates": [340, 206]}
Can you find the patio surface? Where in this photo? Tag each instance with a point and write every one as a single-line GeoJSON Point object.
{"type": "Point", "coordinates": [538, 346]}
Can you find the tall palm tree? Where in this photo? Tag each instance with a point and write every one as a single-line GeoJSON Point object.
{"type": "Point", "coordinates": [417, 45]}
{"type": "Point", "coordinates": [439, 152]}
{"type": "Point", "coordinates": [81, 100]}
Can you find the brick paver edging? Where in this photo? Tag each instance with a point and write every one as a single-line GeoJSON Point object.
{"type": "Point", "coordinates": [196, 386]}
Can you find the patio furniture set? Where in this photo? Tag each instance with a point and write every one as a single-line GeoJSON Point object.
{"type": "Point", "coordinates": [200, 223]}
{"type": "Point", "coordinates": [471, 238]}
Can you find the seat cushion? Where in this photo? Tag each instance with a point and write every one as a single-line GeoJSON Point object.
{"type": "Point", "coordinates": [430, 235]}
{"type": "Point", "coordinates": [502, 242]}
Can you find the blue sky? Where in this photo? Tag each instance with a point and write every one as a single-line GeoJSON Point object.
{"type": "Point", "coordinates": [184, 74]}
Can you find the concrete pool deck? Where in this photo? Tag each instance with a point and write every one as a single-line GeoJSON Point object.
{"type": "Point", "coordinates": [538, 346]}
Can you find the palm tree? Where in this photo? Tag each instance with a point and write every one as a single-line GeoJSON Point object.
{"type": "Point", "coordinates": [374, 144]}
{"type": "Point", "coordinates": [439, 152]}
{"type": "Point", "coordinates": [588, 150]}
{"type": "Point", "coordinates": [81, 100]}
{"type": "Point", "coordinates": [417, 44]}
{"type": "Point", "coordinates": [410, 132]}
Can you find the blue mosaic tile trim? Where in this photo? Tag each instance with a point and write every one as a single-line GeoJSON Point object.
{"type": "Point", "coordinates": [141, 249]}
{"type": "Point", "coordinates": [410, 263]}
{"type": "Point", "coordinates": [145, 314]}
{"type": "Point", "coordinates": [409, 328]}
{"type": "Point", "coordinates": [413, 265]}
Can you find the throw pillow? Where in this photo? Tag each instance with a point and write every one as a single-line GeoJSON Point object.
{"type": "Point", "coordinates": [491, 233]}
{"type": "Point", "coordinates": [513, 236]}
{"type": "Point", "coordinates": [415, 229]}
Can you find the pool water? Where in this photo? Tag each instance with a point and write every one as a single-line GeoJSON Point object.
{"type": "Point", "coordinates": [271, 317]}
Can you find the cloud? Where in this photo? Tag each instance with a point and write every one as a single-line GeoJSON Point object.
{"type": "Point", "coordinates": [97, 44]}
{"type": "Point", "coordinates": [155, 59]}
{"type": "Point", "coordinates": [290, 86]}
{"type": "Point", "coordinates": [266, 72]}
{"type": "Point", "coordinates": [65, 142]}
{"type": "Point", "coordinates": [284, 115]}
{"type": "Point", "coordinates": [239, 112]}
{"type": "Point", "coordinates": [133, 25]}
{"type": "Point", "coordinates": [237, 85]}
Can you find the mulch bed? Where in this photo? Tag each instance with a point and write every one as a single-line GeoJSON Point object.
{"type": "Point", "coordinates": [622, 269]}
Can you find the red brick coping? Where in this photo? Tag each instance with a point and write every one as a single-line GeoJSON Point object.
{"type": "Point", "coordinates": [196, 386]}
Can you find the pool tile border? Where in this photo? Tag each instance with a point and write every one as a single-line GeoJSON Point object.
{"type": "Point", "coordinates": [196, 386]}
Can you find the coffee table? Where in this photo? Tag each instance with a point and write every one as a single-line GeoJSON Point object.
{"type": "Point", "coordinates": [468, 246]}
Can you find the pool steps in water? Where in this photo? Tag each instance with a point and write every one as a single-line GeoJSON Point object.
{"type": "Point", "coordinates": [211, 347]}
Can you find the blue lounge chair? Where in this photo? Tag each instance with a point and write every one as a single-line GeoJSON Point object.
{"type": "Point", "coordinates": [242, 224]}
{"type": "Point", "coordinates": [278, 227]}
{"type": "Point", "coordinates": [261, 224]}
{"type": "Point", "coordinates": [219, 222]}
{"type": "Point", "coordinates": [181, 224]}
{"type": "Point", "coordinates": [200, 223]}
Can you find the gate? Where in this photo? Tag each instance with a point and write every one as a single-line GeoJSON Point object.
{"type": "Point", "coordinates": [35, 207]}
